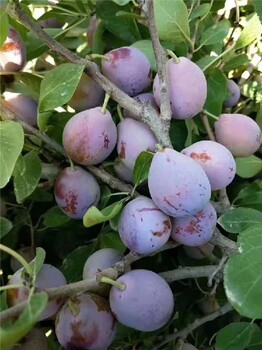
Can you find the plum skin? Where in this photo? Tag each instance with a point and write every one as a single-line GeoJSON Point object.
{"type": "Point", "coordinates": [143, 227]}
{"type": "Point", "coordinates": [234, 90]}
{"type": "Point", "coordinates": [128, 68]}
{"type": "Point", "coordinates": [195, 230]}
{"type": "Point", "coordinates": [134, 137]}
{"type": "Point", "coordinates": [187, 88]}
{"type": "Point", "coordinates": [122, 171]}
{"type": "Point", "coordinates": [177, 184]}
{"type": "Point", "coordinates": [76, 191]}
{"type": "Point", "coordinates": [246, 138]}
{"type": "Point", "coordinates": [89, 325]}
{"type": "Point", "coordinates": [90, 136]}
{"type": "Point", "coordinates": [48, 277]}
{"type": "Point", "coordinates": [12, 53]}
{"type": "Point", "coordinates": [147, 302]}
{"type": "Point", "coordinates": [100, 260]}
{"type": "Point", "coordinates": [216, 160]}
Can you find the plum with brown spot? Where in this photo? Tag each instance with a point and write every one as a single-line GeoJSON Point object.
{"type": "Point", "coordinates": [177, 184]}
{"type": "Point", "coordinates": [76, 191]}
{"type": "Point", "coordinates": [216, 160]}
{"type": "Point", "coordinates": [128, 68]}
{"type": "Point", "coordinates": [90, 136]}
{"type": "Point", "coordinates": [195, 230]}
{"type": "Point", "coordinates": [147, 302]}
{"type": "Point", "coordinates": [143, 227]}
{"type": "Point", "coordinates": [85, 322]}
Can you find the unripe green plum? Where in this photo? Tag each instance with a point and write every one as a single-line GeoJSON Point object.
{"type": "Point", "coordinates": [34, 340]}
{"type": "Point", "coordinates": [122, 171]}
{"type": "Point", "coordinates": [145, 98]}
{"type": "Point", "coordinates": [208, 305]}
{"type": "Point", "coordinates": [12, 53]}
{"type": "Point", "coordinates": [48, 277]}
{"type": "Point", "coordinates": [239, 133]}
{"type": "Point", "coordinates": [88, 94]}
{"type": "Point", "coordinates": [24, 107]}
{"type": "Point", "coordinates": [234, 90]}
{"type": "Point", "coordinates": [195, 230]}
{"type": "Point", "coordinates": [134, 137]}
{"type": "Point", "coordinates": [85, 322]}
{"type": "Point", "coordinates": [147, 302]}
{"type": "Point", "coordinates": [143, 227]}
{"type": "Point", "coordinates": [76, 191]}
{"type": "Point", "coordinates": [187, 88]}
{"type": "Point", "coordinates": [90, 136]}
{"type": "Point", "coordinates": [216, 160]}
{"type": "Point", "coordinates": [128, 68]}
{"type": "Point", "coordinates": [177, 184]}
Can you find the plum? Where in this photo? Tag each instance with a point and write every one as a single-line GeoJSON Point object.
{"type": "Point", "coordinates": [216, 160]}
{"type": "Point", "coordinates": [143, 227]}
{"type": "Point", "coordinates": [122, 171]}
{"type": "Point", "coordinates": [48, 277]}
{"type": "Point", "coordinates": [239, 133]}
{"type": "Point", "coordinates": [200, 252]}
{"type": "Point", "coordinates": [128, 68]}
{"type": "Point", "coordinates": [76, 191]}
{"type": "Point", "coordinates": [134, 137]}
{"type": "Point", "coordinates": [177, 184]}
{"type": "Point", "coordinates": [28, 253]}
{"type": "Point", "coordinates": [234, 90]}
{"type": "Point", "coordinates": [12, 53]}
{"type": "Point", "coordinates": [100, 260]}
{"type": "Point", "coordinates": [51, 22]}
{"type": "Point", "coordinates": [34, 340]}
{"type": "Point", "coordinates": [147, 302]}
{"type": "Point", "coordinates": [144, 98]}
{"type": "Point", "coordinates": [88, 94]}
{"type": "Point", "coordinates": [85, 322]}
{"type": "Point", "coordinates": [208, 305]}
{"type": "Point", "coordinates": [91, 30]}
{"type": "Point", "coordinates": [90, 136]}
{"type": "Point", "coordinates": [24, 107]}
{"type": "Point", "coordinates": [187, 88]}
{"type": "Point", "coordinates": [195, 230]}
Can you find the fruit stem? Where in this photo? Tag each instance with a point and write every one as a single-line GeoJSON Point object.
{"type": "Point", "coordinates": [96, 55]}
{"type": "Point", "coordinates": [210, 114]}
{"type": "Point", "coordinates": [158, 147]}
{"type": "Point", "coordinates": [17, 257]}
{"type": "Point", "coordinates": [173, 55]}
{"type": "Point", "coordinates": [119, 112]}
{"type": "Point", "coordinates": [106, 99]}
{"type": "Point", "coordinates": [72, 165]}
{"type": "Point", "coordinates": [108, 280]}
{"type": "Point", "coordinates": [11, 286]}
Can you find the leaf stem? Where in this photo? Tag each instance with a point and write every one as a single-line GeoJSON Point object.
{"type": "Point", "coordinates": [17, 257]}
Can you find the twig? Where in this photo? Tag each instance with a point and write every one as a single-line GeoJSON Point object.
{"type": "Point", "coordinates": [207, 126]}
{"type": "Point", "coordinates": [188, 272]}
{"type": "Point", "coordinates": [218, 268]}
{"type": "Point", "coordinates": [229, 246]}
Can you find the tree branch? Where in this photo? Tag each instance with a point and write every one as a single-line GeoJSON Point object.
{"type": "Point", "coordinates": [188, 272]}
{"type": "Point", "coordinates": [228, 246]}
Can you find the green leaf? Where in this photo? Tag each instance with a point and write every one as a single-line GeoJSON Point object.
{"type": "Point", "coordinates": [243, 274]}
{"type": "Point", "coordinates": [235, 336]}
{"type": "Point", "coordinates": [200, 11]}
{"type": "Point", "coordinates": [94, 216]}
{"type": "Point", "coordinates": [4, 25]}
{"type": "Point", "coordinates": [5, 227]}
{"type": "Point", "coordinates": [235, 62]}
{"type": "Point", "coordinates": [121, 2]}
{"type": "Point", "coordinates": [258, 8]}
{"type": "Point", "coordinates": [204, 61]}
{"type": "Point", "coordinates": [32, 81]}
{"type": "Point", "coordinates": [58, 86]}
{"type": "Point", "coordinates": [216, 91]}
{"type": "Point", "coordinates": [250, 197]}
{"type": "Point", "coordinates": [248, 166]}
{"type": "Point", "coordinates": [215, 34]}
{"type": "Point", "coordinates": [111, 240]}
{"type": "Point", "coordinates": [141, 169]}
{"type": "Point", "coordinates": [256, 339]}
{"type": "Point", "coordinates": [26, 181]}
{"type": "Point", "coordinates": [237, 220]}
{"type": "Point", "coordinates": [54, 217]}
{"type": "Point", "coordinates": [11, 144]}
{"type": "Point", "coordinates": [25, 322]}
{"type": "Point", "coordinates": [252, 30]}
{"type": "Point", "coordinates": [37, 263]}
{"type": "Point", "coordinates": [172, 20]}
{"type": "Point", "coordinates": [146, 47]}
{"type": "Point", "coordinates": [178, 134]}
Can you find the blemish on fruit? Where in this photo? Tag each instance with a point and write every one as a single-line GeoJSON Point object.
{"type": "Point", "coordinates": [203, 157]}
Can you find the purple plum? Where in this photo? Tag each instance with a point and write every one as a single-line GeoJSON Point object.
{"type": "Point", "coordinates": [122, 171]}
{"type": "Point", "coordinates": [147, 302]}
{"type": "Point", "coordinates": [12, 53]}
{"type": "Point", "coordinates": [24, 107]}
{"type": "Point", "coordinates": [143, 227]}
{"type": "Point", "coordinates": [216, 160]}
{"type": "Point", "coordinates": [76, 191]}
{"type": "Point", "coordinates": [239, 133]}
{"type": "Point", "coordinates": [187, 88]}
{"type": "Point", "coordinates": [100, 260]}
{"type": "Point", "coordinates": [177, 184]}
{"type": "Point", "coordinates": [146, 99]}
{"type": "Point", "coordinates": [88, 94]}
{"type": "Point", "coordinates": [85, 322]}
{"type": "Point", "coordinates": [128, 68]}
{"type": "Point", "coordinates": [48, 277]}
{"type": "Point", "coordinates": [195, 230]}
{"type": "Point", "coordinates": [234, 90]}
{"type": "Point", "coordinates": [200, 252]}
{"type": "Point", "coordinates": [134, 137]}
{"type": "Point", "coordinates": [90, 136]}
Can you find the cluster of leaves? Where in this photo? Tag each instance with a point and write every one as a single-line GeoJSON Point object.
{"type": "Point", "coordinates": [223, 47]}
